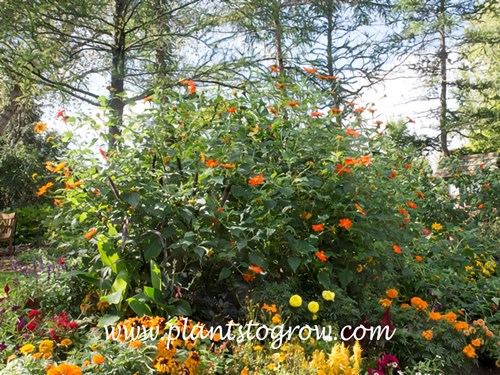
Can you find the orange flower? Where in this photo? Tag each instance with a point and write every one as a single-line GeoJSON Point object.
{"type": "Point", "coordinates": [292, 103]}
{"type": "Point", "coordinates": [392, 293]}
{"type": "Point", "coordinates": [58, 202]}
{"type": "Point", "coordinates": [359, 110]}
{"type": "Point", "coordinates": [336, 111]}
{"type": "Point", "coordinates": [477, 342]}
{"type": "Point", "coordinates": [345, 223]}
{"type": "Point", "coordinates": [220, 209]}
{"type": "Point", "coordinates": [469, 351]}
{"type": "Point", "coordinates": [403, 211]}
{"type": "Point", "coordinates": [420, 194]}
{"type": "Point", "coordinates": [212, 163]}
{"type": "Point", "coordinates": [191, 84]}
{"type": "Point", "coordinates": [340, 169]}
{"type": "Point", "coordinates": [90, 233]}
{"type": "Point", "coordinates": [271, 309]}
{"type": "Point", "coordinates": [148, 98]}
{"type": "Point", "coordinates": [321, 256]}
{"type": "Point", "coordinates": [359, 209]}
{"type": "Point", "coordinates": [257, 180]}
{"type": "Point", "coordinates": [427, 335]}
{"type": "Point", "coordinates": [354, 133]}
{"type": "Point", "coordinates": [306, 215]}
{"type": "Point", "coordinates": [255, 269]}
{"type": "Point", "coordinates": [327, 78]}
{"type": "Point", "coordinates": [365, 160]}
{"type": "Point", "coordinates": [350, 161]}
{"type": "Point", "coordinates": [96, 192]}
{"type": "Point", "coordinates": [450, 317]}
{"type": "Point", "coordinates": [273, 110]}
{"type": "Point", "coordinates": [280, 86]}
{"type": "Point", "coordinates": [136, 344]}
{"type": "Point", "coordinates": [98, 359]}
{"type": "Point", "coordinates": [228, 165]}
{"type": "Point", "coordinates": [231, 110]}
{"type": "Point", "coordinates": [480, 206]}
{"type": "Point", "coordinates": [248, 276]}
{"type": "Point", "coordinates": [435, 316]}
{"type": "Point", "coordinates": [274, 68]}
{"type": "Point", "coordinates": [72, 185]}
{"type": "Point", "coordinates": [487, 186]}
{"type": "Point", "coordinates": [202, 156]}
{"type": "Point", "coordinates": [276, 319]}
{"type": "Point", "coordinates": [411, 204]}
{"type": "Point", "coordinates": [418, 258]}
{"type": "Point", "coordinates": [40, 127]}
{"type": "Point", "coordinates": [419, 303]}
{"type": "Point", "coordinates": [44, 188]}
{"type": "Point", "coordinates": [318, 227]}
{"type": "Point", "coordinates": [317, 114]}
{"type": "Point", "coordinates": [54, 168]}
{"type": "Point", "coordinates": [461, 326]}
{"type": "Point", "coordinates": [393, 174]}
{"type": "Point", "coordinates": [310, 70]}
{"type": "Point", "coordinates": [396, 249]}
{"type": "Point", "coordinates": [385, 302]}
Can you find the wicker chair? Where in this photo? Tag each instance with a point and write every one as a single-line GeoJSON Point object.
{"type": "Point", "coordinates": [7, 229]}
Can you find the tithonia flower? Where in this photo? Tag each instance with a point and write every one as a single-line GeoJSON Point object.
{"type": "Point", "coordinates": [292, 103]}
{"type": "Point", "coordinates": [257, 180]}
{"type": "Point", "coordinates": [411, 204]}
{"type": "Point", "coordinates": [317, 114]}
{"type": "Point", "coordinates": [212, 163]}
{"type": "Point", "coordinates": [345, 223]}
{"type": "Point", "coordinates": [313, 307]}
{"type": "Point", "coordinates": [295, 300]}
{"type": "Point", "coordinates": [311, 70]}
{"type": "Point", "coordinates": [274, 68]}
{"type": "Point", "coordinates": [335, 111]}
{"type": "Point", "coordinates": [436, 226]}
{"type": "Point", "coordinates": [231, 110]}
{"type": "Point", "coordinates": [44, 188]}
{"type": "Point", "coordinates": [90, 233]}
{"type": "Point", "coordinates": [396, 249]}
{"type": "Point", "coordinates": [318, 227]}
{"type": "Point", "coordinates": [321, 256]}
{"type": "Point", "coordinates": [354, 133]}
{"type": "Point", "coordinates": [328, 295]}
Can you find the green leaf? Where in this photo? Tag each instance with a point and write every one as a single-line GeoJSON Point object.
{"type": "Point", "coordinates": [131, 198]}
{"type": "Point", "coordinates": [181, 307]}
{"type": "Point", "coordinates": [140, 308]}
{"type": "Point", "coordinates": [112, 298]}
{"type": "Point", "coordinates": [152, 247]}
{"type": "Point", "coordinates": [224, 273]}
{"type": "Point", "coordinates": [324, 279]}
{"type": "Point", "coordinates": [108, 320]}
{"type": "Point", "coordinates": [345, 277]}
{"type": "Point", "coordinates": [294, 263]}
{"type": "Point", "coordinates": [154, 295]}
{"type": "Point", "coordinates": [156, 276]}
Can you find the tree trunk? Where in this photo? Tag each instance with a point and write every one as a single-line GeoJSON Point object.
{"type": "Point", "coordinates": [117, 104]}
{"type": "Point", "coordinates": [444, 83]}
{"type": "Point", "coordinates": [278, 36]}
{"type": "Point", "coordinates": [329, 57]}
{"type": "Point", "coordinates": [11, 108]}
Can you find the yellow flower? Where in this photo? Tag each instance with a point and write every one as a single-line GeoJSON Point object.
{"type": "Point", "coordinates": [46, 346]}
{"type": "Point", "coordinates": [34, 175]}
{"type": "Point", "coordinates": [98, 359]}
{"type": "Point", "coordinates": [437, 226]}
{"type": "Point", "coordinates": [271, 366]}
{"type": "Point", "coordinates": [295, 300]}
{"type": "Point", "coordinates": [359, 268]}
{"type": "Point", "coordinates": [392, 293]}
{"type": "Point", "coordinates": [328, 295]}
{"type": "Point", "coordinates": [66, 342]}
{"type": "Point", "coordinates": [27, 348]}
{"type": "Point", "coordinates": [64, 368]}
{"type": "Point", "coordinates": [40, 127]}
{"type": "Point", "coordinates": [258, 348]}
{"type": "Point", "coordinates": [313, 307]}
{"type": "Point", "coordinates": [136, 344]}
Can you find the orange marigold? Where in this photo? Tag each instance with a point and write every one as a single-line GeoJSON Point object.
{"type": "Point", "coordinates": [392, 293]}
{"type": "Point", "coordinates": [450, 317]}
{"type": "Point", "coordinates": [345, 223]}
{"type": "Point", "coordinates": [427, 335]}
{"type": "Point", "coordinates": [435, 316]}
{"type": "Point", "coordinates": [98, 359]}
{"type": "Point", "coordinates": [477, 342]}
{"type": "Point", "coordinates": [419, 303]}
{"type": "Point", "coordinates": [469, 351]}
{"type": "Point", "coordinates": [461, 326]}
{"type": "Point", "coordinates": [385, 302]}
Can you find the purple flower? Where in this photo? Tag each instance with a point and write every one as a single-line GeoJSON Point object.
{"type": "Point", "coordinates": [3, 346]}
{"type": "Point", "coordinates": [375, 372]}
{"type": "Point", "coordinates": [15, 308]}
{"type": "Point", "coordinates": [26, 336]}
{"type": "Point", "coordinates": [20, 323]}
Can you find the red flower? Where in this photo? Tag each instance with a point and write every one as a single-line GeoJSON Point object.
{"type": "Point", "coordinates": [354, 133]}
{"type": "Point", "coordinates": [411, 204]}
{"type": "Point", "coordinates": [61, 113]}
{"type": "Point", "coordinates": [321, 256]}
{"type": "Point", "coordinates": [393, 174]}
{"type": "Point", "coordinates": [359, 110]}
{"type": "Point", "coordinates": [31, 326]}
{"type": "Point", "coordinates": [403, 211]}
{"type": "Point", "coordinates": [257, 180]}
{"type": "Point", "coordinates": [418, 258]}
{"type": "Point", "coordinates": [317, 114]}
{"type": "Point", "coordinates": [350, 161]}
{"type": "Point", "coordinates": [345, 223]}
{"type": "Point", "coordinates": [255, 269]}
{"type": "Point", "coordinates": [397, 249]}
{"type": "Point", "coordinates": [33, 313]}
{"type": "Point", "coordinates": [365, 160]}
{"type": "Point", "coordinates": [318, 227]}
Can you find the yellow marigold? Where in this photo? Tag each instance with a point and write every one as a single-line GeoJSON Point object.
{"type": "Point", "coordinates": [40, 127]}
{"type": "Point", "coordinates": [328, 295]}
{"type": "Point", "coordinates": [461, 326]}
{"type": "Point", "coordinates": [450, 317]}
{"type": "Point", "coordinates": [392, 293]}
{"type": "Point", "coordinates": [64, 369]}
{"type": "Point", "coordinates": [313, 307]}
{"type": "Point", "coordinates": [165, 365]}
{"type": "Point", "coordinates": [27, 348]}
{"type": "Point", "coordinates": [46, 346]}
{"type": "Point", "coordinates": [385, 302]}
{"type": "Point", "coordinates": [295, 300]}
{"type": "Point", "coordinates": [98, 359]}
{"type": "Point", "coordinates": [427, 335]}
{"type": "Point", "coordinates": [66, 342]}
{"type": "Point", "coordinates": [435, 316]}
{"type": "Point", "coordinates": [419, 303]}
{"type": "Point", "coordinates": [469, 351]}
{"type": "Point", "coordinates": [436, 226]}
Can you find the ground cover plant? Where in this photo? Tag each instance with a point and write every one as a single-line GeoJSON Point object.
{"type": "Point", "coordinates": [270, 202]}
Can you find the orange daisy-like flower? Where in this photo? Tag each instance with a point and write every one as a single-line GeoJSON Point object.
{"type": "Point", "coordinates": [317, 227]}
{"type": "Point", "coordinates": [228, 165]}
{"type": "Point", "coordinates": [411, 204]}
{"type": "Point", "coordinates": [311, 70]}
{"type": "Point", "coordinates": [292, 103]}
{"type": "Point", "coordinates": [231, 110]}
{"type": "Point", "coordinates": [40, 127]}
{"type": "Point", "coordinates": [354, 133]}
{"type": "Point", "coordinates": [90, 233]}
{"type": "Point", "coordinates": [54, 168]}
{"type": "Point", "coordinates": [435, 316]}
{"type": "Point", "coordinates": [359, 209]}
{"type": "Point", "coordinates": [420, 194]}
{"type": "Point", "coordinates": [396, 249]}
{"type": "Point", "coordinates": [274, 68]}
{"type": "Point", "coordinates": [321, 256]}
{"type": "Point", "coordinates": [418, 258]}
{"type": "Point", "coordinates": [365, 160]}
{"type": "Point", "coordinates": [335, 111]}
{"type": "Point", "coordinates": [450, 317]}
{"type": "Point", "coordinates": [98, 359]}
{"type": "Point", "coordinates": [393, 174]}
{"type": "Point", "coordinates": [340, 169]}
{"type": "Point", "coordinates": [385, 302]}
{"type": "Point", "coordinates": [461, 326]}
{"type": "Point", "coordinates": [58, 202]}
{"type": "Point", "coordinates": [317, 114]}
{"type": "Point", "coordinates": [350, 161]}
{"type": "Point", "coordinates": [359, 110]}
{"type": "Point", "coordinates": [273, 110]}
{"type": "Point", "coordinates": [403, 211]}
{"type": "Point", "coordinates": [44, 188]}
{"type": "Point", "coordinates": [73, 185]}
{"type": "Point", "coordinates": [306, 215]}
{"type": "Point", "coordinates": [257, 180]}
{"type": "Point", "coordinates": [327, 78]}
{"type": "Point", "coordinates": [271, 309]}
{"type": "Point", "coordinates": [469, 351]}
{"type": "Point", "coordinates": [255, 269]}
{"type": "Point", "coordinates": [212, 163]}
{"type": "Point", "coordinates": [345, 223]}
